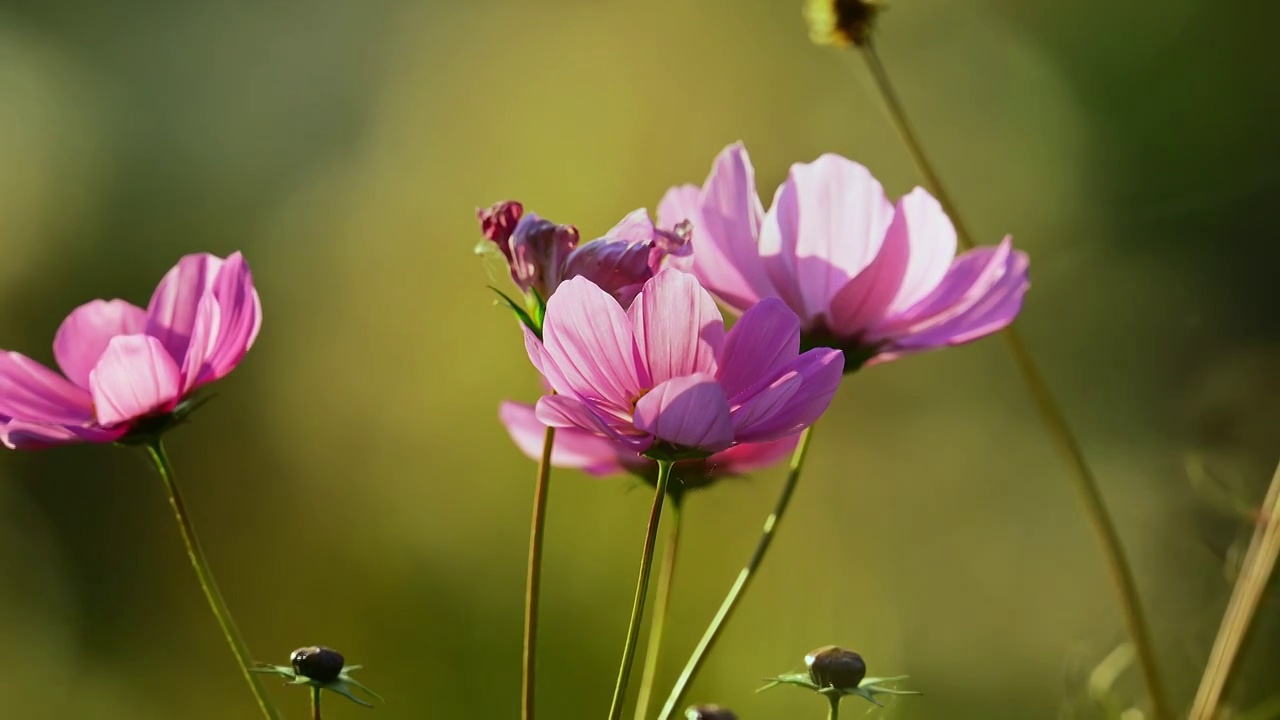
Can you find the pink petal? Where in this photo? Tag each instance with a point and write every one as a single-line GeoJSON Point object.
{"type": "Point", "coordinates": [763, 341]}
{"type": "Point", "coordinates": [747, 457]}
{"type": "Point", "coordinates": [85, 333]}
{"type": "Point", "coordinates": [588, 337]}
{"type": "Point", "coordinates": [826, 224]}
{"type": "Point", "coordinates": [635, 228]}
{"type": "Point", "coordinates": [240, 312]}
{"type": "Point", "coordinates": [172, 310]}
{"type": "Point", "coordinates": [204, 338]}
{"type": "Point", "coordinates": [561, 411]}
{"type": "Point", "coordinates": [135, 377]}
{"type": "Point", "coordinates": [820, 371]}
{"type": "Point", "coordinates": [726, 229]}
{"type": "Point", "coordinates": [688, 412]}
{"type": "Point", "coordinates": [573, 448]}
{"type": "Point", "coordinates": [679, 204]}
{"type": "Point", "coordinates": [678, 328]}
{"type": "Point", "coordinates": [32, 392]}
{"type": "Point", "coordinates": [932, 239]}
{"type": "Point", "coordinates": [980, 295]}
{"type": "Point", "coordinates": [763, 403]}
{"type": "Point", "coordinates": [24, 435]}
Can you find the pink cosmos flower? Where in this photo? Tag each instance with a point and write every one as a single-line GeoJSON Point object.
{"type": "Point", "coordinates": [876, 279]}
{"type": "Point", "coordinates": [124, 365]}
{"type": "Point", "coordinates": [665, 373]}
{"type": "Point", "coordinates": [579, 449]}
{"type": "Point", "coordinates": [542, 254]}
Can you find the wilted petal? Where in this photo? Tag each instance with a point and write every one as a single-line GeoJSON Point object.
{"type": "Point", "coordinates": [820, 371]}
{"type": "Point", "coordinates": [763, 341]}
{"type": "Point", "coordinates": [616, 266]}
{"type": "Point", "coordinates": [32, 392]}
{"type": "Point", "coordinates": [539, 251]}
{"type": "Point", "coordinates": [561, 411]}
{"type": "Point", "coordinates": [498, 221]}
{"type": "Point", "coordinates": [573, 448]}
{"type": "Point", "coordinates": [678, 328]}
{"type": "Point", "coordinates": [688, 412]}
{"type": "Point", "coordinates": [826, 224]}
{"type": "Point", "coordinates": [589, 338]}
{"type": "Point", "coordinates": [135, 377]}
{"type": "Point", "coordinates": [172, 310]}
{"type": "Point", "coordinates": [84, 335]}
{"type": "Point", "coordinates": [240, 318]}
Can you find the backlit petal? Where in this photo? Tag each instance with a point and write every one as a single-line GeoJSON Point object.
{"type": "Point", "coordinates": [84, 335]}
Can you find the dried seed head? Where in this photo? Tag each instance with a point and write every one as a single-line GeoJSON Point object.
{"type": "Point", "coordinates": [317, 663]}
{"type": "Point", "coordinates": [841, 22]}
{"type": "Point", "coordinates": [709, 712]}
{"type": "Point", "coordinates": [835, 667]}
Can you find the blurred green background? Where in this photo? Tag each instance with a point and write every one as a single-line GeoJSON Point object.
{"type": "Point", "coordinates": [352, 484]}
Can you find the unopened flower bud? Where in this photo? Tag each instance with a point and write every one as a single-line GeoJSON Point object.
{"type": "Point", "coordinates": [841, 22]}
{"type": "Point", "coordinates": [835, 667]}
{"type": "Point", "coordinates": [709, 712]}
{"type": "Point", "coordinates": [317, 663]}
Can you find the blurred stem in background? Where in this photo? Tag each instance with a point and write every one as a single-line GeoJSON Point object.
{"type": "Point", "coordinates": [744, 579]}
{"type": "Point", "coordinates": [666, 571]}
{"type": "Point", "coordinates": [155, 449]}
{"type": "Point", "coordinates": [642, 589]}
{"type": "Point", "coordinates": [533, 577]}
{"type": "Point", "coordinates": [1051, 414]}
{"type": "Point", "coordinates": [1259, 561]}
{"type": "Point", "coordinates": [315, 702]}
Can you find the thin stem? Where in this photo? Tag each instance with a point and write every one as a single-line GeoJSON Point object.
{"type": "Point", "coordinates": [662, 598]}
{"type": "Point", "coordinates": [642, 589]}
{"type": "Point", "coordinates": [533, 577]}
{"type": "Point", "coordinates": [744, 579]}
{"type": "Point", "coordinates": [1259, 560]}
{"type": "Point", "coordinates": [315, 703]}
{"type": "Point", "coordinates": [1051, 414]}
{"type": "Point", "coordinates": [834, 712]}
{"type": "Point", "coordinates": [155, 449]}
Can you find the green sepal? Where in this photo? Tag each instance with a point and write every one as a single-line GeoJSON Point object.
{"type": "Point", "coordinates": [341, 685]}
{"type": "Point", "coordinates": [521, 314]}
{"type": "Point", "coordinates": [868, 689]}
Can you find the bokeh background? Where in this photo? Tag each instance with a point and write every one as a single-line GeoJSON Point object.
{"type": "Point", "coordinates": [352, 484]}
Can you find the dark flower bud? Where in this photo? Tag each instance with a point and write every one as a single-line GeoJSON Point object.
{"type": "Point", "coordinates": [841, 22]}
{"type": "Point", "coordinates": [709, 712]}
{"type": "Point", "coordinates": [317, 663]}
{"type": "Point", "coordinates": [835, 667]}
{"type": "Point", "coordinates": [499, 221]}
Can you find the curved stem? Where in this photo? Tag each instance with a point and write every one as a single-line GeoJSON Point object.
{"type": "Point", "coordinates": [1051, 415]}
{"type": "Point", "coordinates": [1259, 561]}
{"type": "Point", "coordinates": [834, 712]}
{"type": "Point", "coordinates": [155, 449]}
{"type": "Point", "coordinates": [666, 571]}
{"type": "Point", "coordinates": [315, 703]}
{"type": "Point", "coordinates": [744, 579]}
{"type": "Point", "coordinates": [533, 577]}
{"type": "Point", "coordinates": [642, 589]}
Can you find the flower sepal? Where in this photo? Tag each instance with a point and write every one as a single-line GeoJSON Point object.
{"type": "Point", "coordinates": [666, 452]}
{"type": "Point", "coordinates": [149, 430]}
{"type": "Point", "coordinates": [867, 688]}
{"type": "Point", "coordinates": [531, 314]}
{"type": "Point", "coordinates": [323, 668]}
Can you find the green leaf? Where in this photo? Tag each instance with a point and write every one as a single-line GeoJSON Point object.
{"type": "Point", "coordinates": [521, 314]}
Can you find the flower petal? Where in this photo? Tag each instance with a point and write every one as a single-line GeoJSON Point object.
{"type": "Point", "coordinates": [204, 338]}
{"type": "Point", "coordinates": [565, 412]}
{"type": "Point", "coordinates": [135, 377]}
{"type": "Point", "coordinates": [932, 241]}
{"type": "Point", "coordinates": [24, 435]}
{"type": "Point", "coordinates": [726, 229]}
{"type": "Point", "coordinates": [826, 224]}
{"type": "Point", "coordinates": [588, 337]}
{"type": "Point", "coordinates": [85, 333]}
{"type": "Point", "coordinates": [573, 448]}
{"type": "Point", "coordinates": [678, 328]}
{"type": "Point", "coordinates": [681, 203]}
{"type": "Point", "coordinates": [747, 457]}
{"type": "Point", "coordinates": [688, 412]}
{"type": "Point", "coordinates": [819, 371]}
{"type": "Point", "coordinates": [32, 392]}
{"type": "Point", "coordinates": [763, 341]}
{"type": "Point", "coordinates": [172, 310]}
{"type": "Point", "coordinates": [240, 313]}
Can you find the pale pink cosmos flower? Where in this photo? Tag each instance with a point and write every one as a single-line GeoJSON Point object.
{"type": "Point", "coordinates": [123, 365]}
{"type": "Point", "coordinates": [542, 254]}
{"type": "Point", "coordinates": [874, 278]}
{"type": "Point", "coordinates": [578, 449]}
{"type": "Point", "coordinates": [663, 377]}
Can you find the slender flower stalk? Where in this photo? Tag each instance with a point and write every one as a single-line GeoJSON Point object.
{"type": "Point", "coordinates": [533, 577]}
{"type": "Point", "coordinates": [642, 590]}
{"type": "Point", "coordinates": [1259, 561]}
{"type": "Point", "coordinates": [155, 449]}
{"type": "Point", "coordinates": [834, 712]}
{"type": "Point", "coordinates": [744, 579]}
{"type": "Point", "coordinates": [315, 702]}
{"type": "Point", "coordinates": [666, 571]}
{"type": "Point", "coordinates": [1051, 414]}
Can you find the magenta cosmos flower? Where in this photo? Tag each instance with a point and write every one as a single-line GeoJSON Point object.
{"type": "Point", "coordinates": [600, 456]}
{"type": "Point", "coordinates": [876, 279]}
{"type": "Point", "coordinates": [125, 366]}
{"type": "Point", "coordinates": [665, 379]}
{"type": "Point", "coordinates": [542, 254]}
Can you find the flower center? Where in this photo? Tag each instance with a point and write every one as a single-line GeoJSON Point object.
{"type": "Point", "coordinates": [636, 399]}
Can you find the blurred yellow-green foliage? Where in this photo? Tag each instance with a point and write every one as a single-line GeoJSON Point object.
{"type": "Point", "coordinates": [351, 482]}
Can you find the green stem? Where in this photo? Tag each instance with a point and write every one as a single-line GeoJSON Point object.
{"type": "Point", "coordinates": [315, 703]}
{"type": "Point", "coordinates": [533, 577]}
{"type": "Point", "coordinates": [1051, 414]}
{"type": "Point", "coordinates": [744, 579]}
{"type": "Point", "coordinates": [666, 571]}
{"type": "Point", "coordinates": [834, 712]}
{"type": "Point", "coordinates": [155, 449]}
{"type": "Point", "coordinates": [642, 589]}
